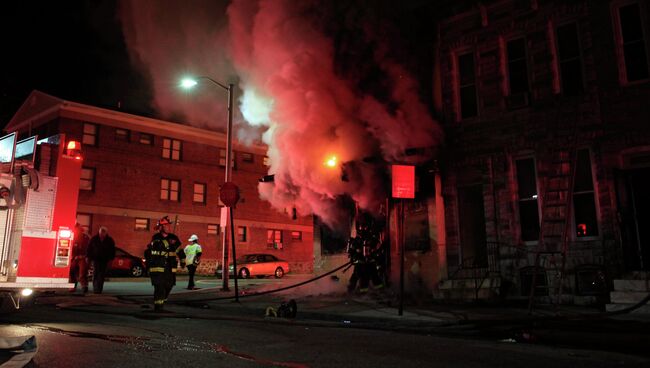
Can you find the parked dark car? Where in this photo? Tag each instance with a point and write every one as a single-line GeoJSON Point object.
{"type": "Point", "coordinates": [125, 264]}
{"type": "Point", "coordinates": [258, 265]}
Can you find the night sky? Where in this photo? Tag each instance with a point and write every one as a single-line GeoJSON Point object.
{"type": "Point", "coordinates": [70, 49]}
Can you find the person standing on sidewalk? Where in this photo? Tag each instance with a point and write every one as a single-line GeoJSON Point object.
{"type": "Point", "coordinates": [79, 262]}
{"type": "Point", "coordinates": [192, 258]}
{"type": "Point", "coordinates": [161, 256]}
{"type": "Point", "coordinates": [101, 251]}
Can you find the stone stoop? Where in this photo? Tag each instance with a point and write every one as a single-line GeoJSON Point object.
{"type": "Point", "coordinates": [465, 289]}
{"type": "Point", "coordinates": [627, 293]}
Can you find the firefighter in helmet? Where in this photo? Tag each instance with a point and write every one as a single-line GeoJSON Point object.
{"type": "Point", "coordinates": [161, 256]}
{"type": "Point", "coordinates": [365, 251]}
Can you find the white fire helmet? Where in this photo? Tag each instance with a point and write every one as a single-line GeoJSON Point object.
{"type": "Point", "coordinates": [193, 238]}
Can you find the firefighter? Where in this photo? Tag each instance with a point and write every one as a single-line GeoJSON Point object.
{"type": "Point", "coordinates": [365, 252]}
{"type": "Point", "coordinates": [101, 251]}
{"type": "Point", "coordinates": [161, 256]}
{"type": "Point", "coordinates": [79, 263]}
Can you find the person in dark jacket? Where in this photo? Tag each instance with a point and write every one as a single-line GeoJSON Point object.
{"type": "Point", "coordinates": [161, 256]}
{"type": "Point", "coordinates": [79, 262]}
{"type": "Point", "coordinates": [101, 251]}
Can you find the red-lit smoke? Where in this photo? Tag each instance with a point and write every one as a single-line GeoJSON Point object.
{"type": "Point", "coordinates": [286, 65]}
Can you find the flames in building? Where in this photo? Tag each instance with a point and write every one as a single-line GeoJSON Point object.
{"type": "Point", "coordinates": [319, 85]}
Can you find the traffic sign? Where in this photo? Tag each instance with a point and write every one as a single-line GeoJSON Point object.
{"type": "Point", "coordinates": [229, 194]}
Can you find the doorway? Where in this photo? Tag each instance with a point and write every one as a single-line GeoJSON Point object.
{"type": "Point", "coordinates": [471, 222]}
{"type": "Point", "coordinates": [635, 219]}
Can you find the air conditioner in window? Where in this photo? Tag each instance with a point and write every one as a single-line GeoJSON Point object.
{"type": "Point", "coordinates": [517, 100]}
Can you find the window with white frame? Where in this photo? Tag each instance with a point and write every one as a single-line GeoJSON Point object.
{"type": "Point", "coordinates": [171, 149]}
{"type": "Point", "coordinates": [87, 179]}
{"type": "Point", "coordinates": [296, 235]}
{"type": "Point", "coordinates": [274, 238]}
{"type": "Point", "coordinates": [631, 42]}
{"type": "Point", "coordinates": [527, 199]}
{"type": "Point", "coordinates": [584, 199]}
{"type": "Point", "coordinates": [141, 224]}
{"type": "Point", "coordinates": [146, 139]}
{"type": "Point", "coordinates": [199, 193]}
{"type": "Point", "coordinates": [89, 134]}
{"type": "Point", "coordinates": [170, 190]}
{"type": "Point", "coordinates": [569, 59]}
{"type": "Point", "coordinates": [222, 158]}
{"type": "Point", "coordinates": [466, 86]}
{"type": "Point", "coordinates": [213, 229]}
{"type": "Point", "coordinates": [122, 135]}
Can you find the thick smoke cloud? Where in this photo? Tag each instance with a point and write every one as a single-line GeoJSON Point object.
{"type": "Point", "coordinates": [304, 84]}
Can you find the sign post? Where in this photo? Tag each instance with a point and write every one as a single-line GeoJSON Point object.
{"type": "Point", "coordinates": [403, 185]}
{"type": "Point", "coordinates": [229, 195]}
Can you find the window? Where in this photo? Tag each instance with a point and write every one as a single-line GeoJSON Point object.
{"type": "Point", "coordinates": [631, 43]}
{"type": "Point", "coordinates": [569, 61]}
{"type": "Point", "coordinates": [141, 224]}
{"type": "Point", "coordinates": [86, 221]}
{"type": "Point", "coordinates": [247, 157]}
{"type": "Point", "coordinates": [87, 180]}
{"type": "Point", "coordinates": [241, 234]}
{"type": "Point", "coordinates": [467, 86]}
{"type": "Point", "coordinates": [296, 235]}
{"type": "Point", "coordinates": [213, 229]}
{"type": "Point", "coordinates": [90, 134]}
{"type": "Point", "coordinates": [274, 239]}
{"type": "Point", "coordinates": [517, 66]}
{"type": "Point", "coordinates": [222, 158]}
{"type": "Point", "coordinates": [266, 161]}
{"type": "Point", "coordinates": [584, 202]}
{"type": "Point", "coordinates": [527, 197]}
{"type": "Point", "coordinates": [171, 149]}
{"type": "Point", "coordinates": [199, 193]}
{"type": "Point", "coordinates": [146, 138]}
{"type": "Point", "coordinates": [122, 135]}
{"type": "Point", "coordinates": [170, 190]}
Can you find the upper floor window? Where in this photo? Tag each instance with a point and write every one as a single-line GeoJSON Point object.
{"type": "Point", "coordinates": [90, 134]}
{"type": "Point", "coordinates": [569, 59]}
{"type": "Point", "coordinates": [247, 157]}
{"type": "Point", "coordinates": [517, 66]}
{"type": "Point", "coordinates": [122, 135]}
{"type": "Point", "coordinates": [87, 180]}
{"type": "Point", "coordinates": [527, 198]}
{"type": "Point", "coordinates": [171, 149]}
{"type": "Point", "coordinates": [213, 229]}
{"type": "Point", "coordinates": [296, 235]}
{"type": "Point", "coordinates": [467, 97]}
{"type": "Point", "coordinates": [170, 190]}
{"type": "Point", "coordinates": [146, 138]}
{"type": "Point", "coordinates": [199, 193]}
{"type": "Point", "coordinates": [86, 221]}
{"type": "Point", "coordinates": [631, 43]}
{"type": "Point", "coordinates": [222, 158]}
{"type": "Point", "coordinates": [584, 200]}
{"type": "Point", "coordinates": [266, 161]}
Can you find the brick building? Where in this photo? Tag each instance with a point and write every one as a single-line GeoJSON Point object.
{"type": "Point", "coordinates": [528, 91]}
{"type": "Point", "coordinates": [137, 169]}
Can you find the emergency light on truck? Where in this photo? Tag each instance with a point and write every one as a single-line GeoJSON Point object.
{"type": "Point", "coordinates": [63, 243]}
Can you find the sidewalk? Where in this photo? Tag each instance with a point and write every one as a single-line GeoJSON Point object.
{"type": "Point", "coordinates": [570, 326]}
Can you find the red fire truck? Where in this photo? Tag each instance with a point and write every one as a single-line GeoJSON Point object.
{"type": "Point", "coordinates": [39, 189]}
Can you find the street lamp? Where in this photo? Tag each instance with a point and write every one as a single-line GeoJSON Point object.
{"type": "Point", "coordinates": [188, 83]}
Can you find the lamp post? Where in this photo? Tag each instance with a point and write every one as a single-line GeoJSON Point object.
{"type": "Point", "coordinates": [188, 83]}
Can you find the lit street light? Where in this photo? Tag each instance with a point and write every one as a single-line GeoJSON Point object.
{"type": "Point", "coordinates": [188, 83]}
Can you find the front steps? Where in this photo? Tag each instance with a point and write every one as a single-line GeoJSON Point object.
{"type": "Point", "coordinates": [627, 293]}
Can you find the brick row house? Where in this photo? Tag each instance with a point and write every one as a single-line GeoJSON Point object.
{"type": "Point", "coordinates": [530, 91]}
{"type": "Point", "coordinates": [137, 169]}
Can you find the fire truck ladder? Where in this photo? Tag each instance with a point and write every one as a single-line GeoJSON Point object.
{"type": "Point", "coordinates": [555, 223]}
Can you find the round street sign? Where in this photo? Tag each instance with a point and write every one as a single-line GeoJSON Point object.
{"type": "Point", "coordinates": [229, 194]}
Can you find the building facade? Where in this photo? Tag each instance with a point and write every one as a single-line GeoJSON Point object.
{"type": "Point", "coordinates": [546, 164]}
{"type": "Point", "coordinates": [138, 169]}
